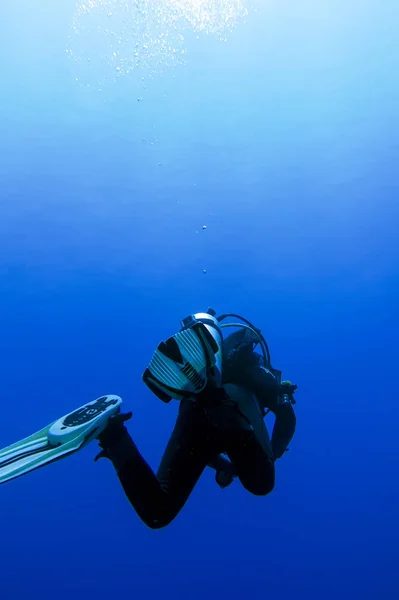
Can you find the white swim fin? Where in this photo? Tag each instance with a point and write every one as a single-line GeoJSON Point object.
{"type": "Point", "coordinates": [59, 439]}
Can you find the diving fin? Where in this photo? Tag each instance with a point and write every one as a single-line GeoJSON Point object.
{"type": "Point", "coordinates": [184, 364]}
{"type": "Point", "coordinates": [59, 439]}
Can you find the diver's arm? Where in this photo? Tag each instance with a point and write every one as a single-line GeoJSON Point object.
{"type": "Point", "coordinates": [221, 463]}
{"type": "Point", "coordinates": [284, 427]}
{"type": "Point", "coordinates": [276, 397]}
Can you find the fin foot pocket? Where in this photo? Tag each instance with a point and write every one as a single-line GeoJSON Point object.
{"type": "Point", "coordinates": [113, 432]}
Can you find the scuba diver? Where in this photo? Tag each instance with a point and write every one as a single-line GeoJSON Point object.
{"type": "Point", "coordinates": [225, 388]}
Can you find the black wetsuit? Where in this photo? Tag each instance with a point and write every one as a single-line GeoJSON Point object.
{"type": "Point", "coordinates": [229, 423]}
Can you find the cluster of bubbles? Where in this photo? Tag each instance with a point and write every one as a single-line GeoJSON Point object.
{"type": "Point", "coordinates": [116, 37]}
{"type": "Point", "coordinates": [215, 17]}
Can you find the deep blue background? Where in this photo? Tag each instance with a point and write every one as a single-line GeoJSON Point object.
{"type": "Point", "coordinates": [284, 141]}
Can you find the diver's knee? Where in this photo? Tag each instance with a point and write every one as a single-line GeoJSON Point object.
{"type": "Point", "coordinates": [263, 488]}
{"type": "Point", "coordinates": [155, 524]}
{"type": "Point", "coordinates": [260, 485]}
{"type": "Point", "coordinates": [160, 521]}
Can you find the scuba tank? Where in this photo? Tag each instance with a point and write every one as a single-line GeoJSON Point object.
{"type": "Point", "coordinates": [189, 361]}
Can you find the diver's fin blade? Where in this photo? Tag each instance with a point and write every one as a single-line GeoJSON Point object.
{"type": "Point", "coordinates": [178, 368]}
{"type": "Point", "coordinates": [59, 439]}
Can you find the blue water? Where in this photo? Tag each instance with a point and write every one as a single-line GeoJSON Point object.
{"type": "Point", "coordinates": [283, 141]}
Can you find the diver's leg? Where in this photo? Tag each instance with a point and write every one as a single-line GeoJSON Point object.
{"type": "Point", "coordinates": [266, 387]}
{"type": "Point", "coordinates": [158, 499]}
{"type": "Point", "coordinates": [255, 469]}
{"type": "Point", "coordinates": [248, 444]}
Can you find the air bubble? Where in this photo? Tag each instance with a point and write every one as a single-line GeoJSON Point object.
{"type": "Point", "coordinates": [149, 34]}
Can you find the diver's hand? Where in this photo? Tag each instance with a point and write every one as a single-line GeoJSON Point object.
{"type": "Point", "coordinates": [224, 478]}
{"type": "Point", "coordinates": [287, 390]}
{"type": "Point", "coordinates": [225, 471]}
